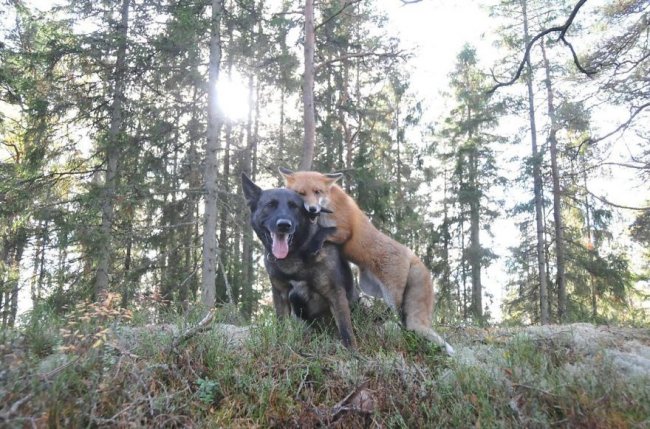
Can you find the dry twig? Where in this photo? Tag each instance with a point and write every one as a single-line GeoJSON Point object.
{"type": "Point", "coordinates": [200, 327]}
{"type": "Point", "coordinates": [6, 416]}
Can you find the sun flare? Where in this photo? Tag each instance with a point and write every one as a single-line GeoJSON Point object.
{"type": "Point", "coordinates": [233, 97]}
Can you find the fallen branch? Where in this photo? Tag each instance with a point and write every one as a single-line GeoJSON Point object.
{"type": "Point", "coordinates": [536, 389]}
{"type": "Point", "coordinates": [200, 327]}
{"type": "Point", "coordinates": [14, 408]}
{"type": "Point", "coordinates": [360, 400]}
{"type": "Point", "coordinates": [58, 369]}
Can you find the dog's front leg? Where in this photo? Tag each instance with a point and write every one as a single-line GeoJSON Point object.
{"type": "Point", "coordinates": [280, 292]}
{"type": "Point", "coordinates": [340, 308]}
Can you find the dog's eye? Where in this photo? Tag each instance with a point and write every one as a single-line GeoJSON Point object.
{"type": "Point", "coordinates": [271, 204]}
{"type": "Point", "coordinates": [292, 205]}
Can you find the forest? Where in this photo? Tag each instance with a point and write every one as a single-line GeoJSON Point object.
{"type": "Point", "coordinates": [522, 181]}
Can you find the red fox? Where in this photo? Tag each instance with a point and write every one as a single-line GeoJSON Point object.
{"type": "Point", "coordinates": [388, 269]}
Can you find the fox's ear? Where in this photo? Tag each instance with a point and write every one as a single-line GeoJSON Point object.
{"type": "Point", "coordinates": [286, 174]}
{"type": "Point", "coordinates": [333, 177]}
{"type": "Point", "coordinates": [252, 192]}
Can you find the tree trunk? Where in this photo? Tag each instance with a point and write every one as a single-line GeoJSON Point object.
{"type": "Point", "coordinates": [210, 248]}
{"type": "Point", "coordinates": [192, 237]}
{"type": "Point", "coordinates": [62, 257]}
{"type": "Point", "coordinates": [249, 166]}
{"type": "Point", "coordinates": [591, 248]}
{"type": "Point", "coordinates": [537, 182]}
{"type": "Point", "coordinates": [225, 251]}
{"type": "Point", "coordinates": [256, 129]}
{"type": "Point", "coordinates": [126, 291]}
{"type": "Point", "coordinates": [172, 281]}
{"type": "Point", "coordinates": [309, 114]}
{"type": "Point", "coordinates": [19, 247]}
{"type": "Point", "coordinates": [39, 261]}
{"type": "Point", "coordinates": [463, 264]}
{"type": "Point", "coordinates": [5, 264]}
{"type": "Point", "coordinates": [476, 304]}
{"type": "Point", "coordinates": [112, 156]}
{"type": "Point", "coordinates": [474, 238]}
{"type": "Point", "coordinates": [446, 236]}
{"type": "Point", "coordinates": [281, 145]}
{"type": "Point", "coordinates": [128, 280]}
{"type": "Point", "coordinates": [557, 214]}
{"type": "Point", "coordinates": [347, 135]}
{"type": "Point", "coordinates": [399, 202]}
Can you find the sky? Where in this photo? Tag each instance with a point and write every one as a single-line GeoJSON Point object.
{"type": "Point", "coordinates": [435, 31]}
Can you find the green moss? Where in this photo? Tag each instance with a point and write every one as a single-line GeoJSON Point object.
{"type": "Point", "coordinates": [287, 374]}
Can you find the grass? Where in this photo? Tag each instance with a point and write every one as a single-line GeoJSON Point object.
{"type": "Point", "coordinates": [288, 375]}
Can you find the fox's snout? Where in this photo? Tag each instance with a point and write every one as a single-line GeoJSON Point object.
{"type": "Point", "coordinates": [312, 208]}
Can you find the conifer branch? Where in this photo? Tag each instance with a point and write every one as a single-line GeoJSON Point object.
{"type": "Point", "coordinates": [562, 29]}
{"type": "Point", "coordinates": [618, 129]}
{"type": "Point", "coordinates": [319, 66]}
{"type": "Point", "coordinates": [337, 13]}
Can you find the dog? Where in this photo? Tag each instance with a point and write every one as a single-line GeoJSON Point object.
{"type": "Point", "coordinates": [389, 269]}
{"type": "Point", "coordinates": [309, 277]}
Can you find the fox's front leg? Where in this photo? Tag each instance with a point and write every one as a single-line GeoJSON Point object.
{"type": "Point", "coordinates": [316, 243]}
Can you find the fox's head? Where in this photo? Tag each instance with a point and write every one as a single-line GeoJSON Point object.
{"type": "Point", "coordinates": [313, 187]}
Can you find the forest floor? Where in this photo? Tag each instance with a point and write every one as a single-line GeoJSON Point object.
{"type": "Point", "coordinates": [103, 367]}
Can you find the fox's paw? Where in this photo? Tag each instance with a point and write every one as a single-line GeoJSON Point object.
{"type": "Point", "coordinates": [314, 248]}
{"type": "Point", "coordinates": [449, 349]}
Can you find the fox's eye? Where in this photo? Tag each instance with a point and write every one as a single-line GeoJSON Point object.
{"type": "Point", "coordinates": [316, 192]}
{"type": "Point", "coordinates": [302, 193]}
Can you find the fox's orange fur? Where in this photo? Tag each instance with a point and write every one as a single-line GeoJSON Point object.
{"type": "Point", "coordinates": [400, 277]}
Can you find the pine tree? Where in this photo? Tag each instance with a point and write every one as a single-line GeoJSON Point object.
{"type": "Point", "coordinates": [474, 172]}
{"type": "Point", "coordinates": [40, 161]}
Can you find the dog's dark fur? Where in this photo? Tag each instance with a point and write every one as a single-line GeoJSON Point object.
{"type": "Point", "coordinates": [308, 276]}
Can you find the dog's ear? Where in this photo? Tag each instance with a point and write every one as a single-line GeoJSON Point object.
{"type": "Point", "coordinates": [332, 178]}
{"type": "Point", "coordinates": [286, 174]}
{"type": "Point", "coordinates": [252, 192]}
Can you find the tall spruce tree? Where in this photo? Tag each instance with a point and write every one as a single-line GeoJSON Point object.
{"type": "Point", "coordinates": [468, 128]}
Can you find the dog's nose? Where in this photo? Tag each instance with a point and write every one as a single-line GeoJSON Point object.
{"type": "Point", "coordinates": [283, 225]}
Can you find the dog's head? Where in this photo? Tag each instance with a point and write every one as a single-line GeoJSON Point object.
{"type": "Point", "coordinates": [278, 217]}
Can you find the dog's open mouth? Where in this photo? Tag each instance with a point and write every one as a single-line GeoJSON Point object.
{"type": "Point", "coordinates": [280, 247]}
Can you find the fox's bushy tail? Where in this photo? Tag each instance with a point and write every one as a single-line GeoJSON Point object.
{"type": "Point", "coordinates": [418, 302]}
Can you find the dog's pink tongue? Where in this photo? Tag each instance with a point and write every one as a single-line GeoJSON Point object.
{"type": "Point", "coordinates": [280, 246]}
